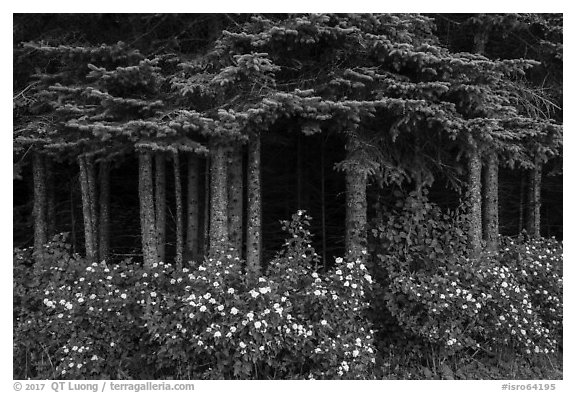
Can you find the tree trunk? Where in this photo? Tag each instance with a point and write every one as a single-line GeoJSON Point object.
{"type": "Point", "coordinates": [147, 217]}
{"type": "Point", "coordinates": [104, 228]}
{"type": "Point", "coordinates": [490, 224]}
{"type": "Point", "coordinates": [235, 198]}
{"type": "Point", "coordinates": [323, 197]}
{"type": "Point", "coordinates": [475, 202]}
{"type": "Point", "coordinates": [356, 219]}
{"type": "Point", "coordinates": [254, 216]}
{"type": "Point", "coordinates": [521, 207]}
{"type": "Point", "coordinates": [160, 201]}
{"type": "Point", "coordinates": [88, 190]}
{"type": "Point", "coordinates": [39, 210]}
{"type": "Point", "coordinates": [206, 208]}
{"type": "Point", "coordinates": [299, 171]}
{"type": "Point", "coordinates": [179, 214]}
{"type": "Point", "coordinates": [50, 199]}
{"type": "Point", "coordinates": [72, 218]}
{"type": "Point", "coordinates": [192, 232]}
{"type": "Point", "coordinates": [218, 198]}
{"type": "Point", "coordinates": [534, 200]}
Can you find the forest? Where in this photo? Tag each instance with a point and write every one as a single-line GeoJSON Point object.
{"type": "Point", "coordinates": [287, 196]}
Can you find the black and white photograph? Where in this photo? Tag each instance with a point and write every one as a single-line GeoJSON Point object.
{"type": "Point", "coordinates": [286, 196]}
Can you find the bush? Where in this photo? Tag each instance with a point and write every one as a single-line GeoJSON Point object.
{"type": "Point", "coordinates": [215, 322]}
{"type": "Point", "coordinates": [79, 320]}
{"type": "Point", "coordinates": [440, 296]}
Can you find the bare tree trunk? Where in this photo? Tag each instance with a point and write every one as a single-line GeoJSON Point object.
{"type": "Point", "coordinates": [179, 214]}
{"type": "Point", "coordinates": [356, 219]}
{"type": "Point", "coordinates": [72, 218]}
{"type": "Point", "coordinates": [104, 228]}
{"type": "Point", "coordinates": [39, 210]}
{"type": "Point", "coordinates": [192, 232]}
{"type": "Point", "coordinates": [88, 190]}
{"type": "Point", "coordinates": [235, 198]}
{"type": "Point", "coordinates": [160, 201]}
{"type": "Point", "coordinates": [299, 173]}
{"type": "Point", "coordinates": [254, 216]}
{"type": "Point", "coordinates": [147, 216]}
{"type": "Point", "coordinates": [206, 210]}
{"type": "Point", "coordinates": [534, 200]}
{"type": "Point", "coordinates": [50, 198]}
{"type": "Point", "coordinates": [475, 202]}
{"type": "Point", "coordinates": [521, 214]}
{"type": "Point", "coordinates": [218, 198]}
{"type": "Point", "coordinates": [490, 224]}
{"type": "Point", "coordinates": [323, 197]}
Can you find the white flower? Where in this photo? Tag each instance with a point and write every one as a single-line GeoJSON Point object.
{"type": "Point", "coordinates": [217, 334]}
{"type": "Point", "coordinates": [339, 272]}
{"type": "Point", "coordinates": [323, 322]}
{"type": "Point", "coordinates": [257, 324]}
{"type": "Point", "coordinates": [314, 275]}
{"type": "Point", "coordinates": [94, 357]}
{"type": "Point", "coordinates": [123, 296]}
{"type": "Point", "coordinates": [203, 308]}
{"type": "Point", "coordinates": [220, 308]}
{"type": "Point", "coordinates": [355, 353]}
{"type": "Point", "coordinates": [191, 315]}
{"type": "Point", "coordinates": [250, 315]}
{"type": "Point", "coordinates": [153, 294]}
{"type": "Point", "coordinates": [317, 292]}
{"type": "Point", "coordinates": [112, 344]}
{"type": "Point", "coordinates": [231, 290]}
{"type": "Point", "coordinates": [233, 329]}
{"type": "Point", "coordinates": [216, 284]}
{"type": "Point", "coordinates": [350, 265]}
{"type": "Point", "coordinates": [234, 311]}
{"type": "Point", "coordinates": [339, 260]}
{"type": "Point", "coordinates": [207, 296]}
{"type": "Point", "coordinates": [264, 290]}
{"type": "Point", "coordinates": [253, 293]}
{"type": "Point", "coordinates": [242, 345]}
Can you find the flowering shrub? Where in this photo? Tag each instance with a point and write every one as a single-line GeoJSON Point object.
{"type": "Point", "coordinates": [79, 320]}
{"type": "Point", "coordinates": [215, 322]}
{"type": "Point", "coordinates": [437, 294]}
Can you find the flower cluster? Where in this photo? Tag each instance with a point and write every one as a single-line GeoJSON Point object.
{"type": "Point", "coordinates": [290, 323]}
{"type": "Point", "coordinates": [213, 320]}
{"type": "Point", "coordinates": [511, 299]}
